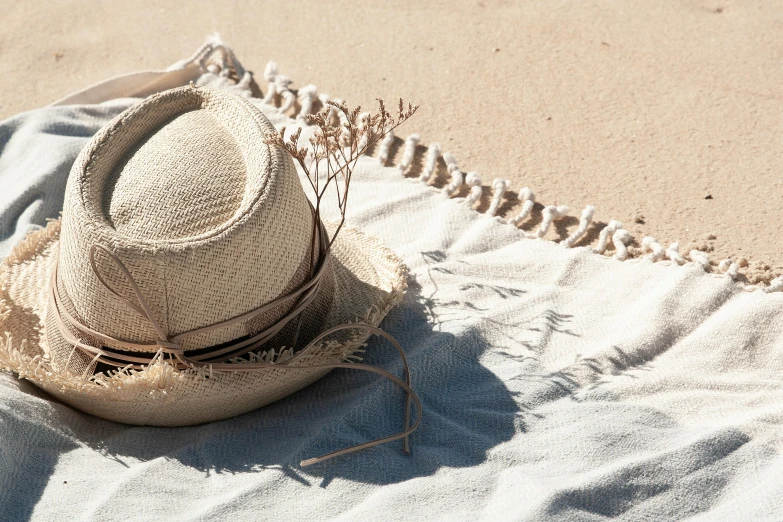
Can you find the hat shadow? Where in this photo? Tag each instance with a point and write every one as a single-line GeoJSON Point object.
{"type": "Point", "coordinates": [467, 410]}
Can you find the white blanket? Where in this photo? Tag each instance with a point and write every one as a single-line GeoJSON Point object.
{"type": "Point", "coordinates": [558, 384]}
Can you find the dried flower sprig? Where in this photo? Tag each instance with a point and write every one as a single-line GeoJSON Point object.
{"type": "Point", "coordinates": [333, 151]}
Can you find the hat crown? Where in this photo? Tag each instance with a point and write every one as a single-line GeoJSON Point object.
{"type": "Point", "coordinates": [210, 220]}
{"type": "Point", "coordinates": [185, 179]}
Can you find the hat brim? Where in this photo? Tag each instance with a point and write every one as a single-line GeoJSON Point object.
{"type": "Point", "coordinates": [369, 281]}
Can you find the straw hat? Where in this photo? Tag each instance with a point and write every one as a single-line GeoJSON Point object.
{"type": "Point", "coordinates": [186, 241]}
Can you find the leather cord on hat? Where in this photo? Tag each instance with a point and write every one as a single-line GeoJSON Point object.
{"type": "Point", "coordinates": [302, 297]}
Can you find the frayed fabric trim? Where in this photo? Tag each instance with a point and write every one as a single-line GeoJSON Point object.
{"type": "Point", "coordinates": [468, 188]}
{"type": "Point", "coordinates": [160, 375]}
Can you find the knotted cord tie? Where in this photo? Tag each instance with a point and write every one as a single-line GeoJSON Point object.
{"type": "Point", "coordinates": [216, 358]}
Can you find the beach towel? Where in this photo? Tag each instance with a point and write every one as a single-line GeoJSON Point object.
{"type": "Point", "coordinates": [557, 382]}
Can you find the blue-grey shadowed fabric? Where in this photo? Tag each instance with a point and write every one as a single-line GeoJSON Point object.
{"type": "Point", "coordinates": [33, 180]}
{"type": "Point", "coordinates": [557, 385]}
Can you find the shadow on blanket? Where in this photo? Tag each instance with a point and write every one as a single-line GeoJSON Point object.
{"type": "Point", "coordinates": [467, 411]}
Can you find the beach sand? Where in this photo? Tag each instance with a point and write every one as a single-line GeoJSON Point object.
{"type": "Point", "coordinates": [665, 116]}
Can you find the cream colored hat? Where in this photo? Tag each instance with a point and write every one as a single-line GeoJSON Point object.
{"type": "Point", "coordinates": [183, 283]}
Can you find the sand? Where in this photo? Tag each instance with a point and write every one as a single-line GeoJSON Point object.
{"type": "Point", "coordinates": [667, 116]}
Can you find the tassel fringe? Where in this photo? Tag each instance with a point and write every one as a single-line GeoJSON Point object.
{"type": "Point", "coordinates": [612, 236]}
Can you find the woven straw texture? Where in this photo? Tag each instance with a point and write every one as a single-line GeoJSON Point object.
{"type": "Point", "coordinates": [212, 223]}
{"type": "Point", "coordinates": [243, 243]}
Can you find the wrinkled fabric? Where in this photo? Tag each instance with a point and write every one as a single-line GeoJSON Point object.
{"type": "Point", "coordinates": [557, 384]}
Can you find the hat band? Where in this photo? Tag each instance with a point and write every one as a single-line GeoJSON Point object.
{"type": "Point", "coordinates": [214, 359]}
{"type": "Point", "coordinates": [301, 297]}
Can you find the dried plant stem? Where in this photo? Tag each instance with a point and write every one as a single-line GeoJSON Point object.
{"type": "Point", "coordinates": [332, 155]}
{"type": "Point", "coordinates": [335, 149]}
